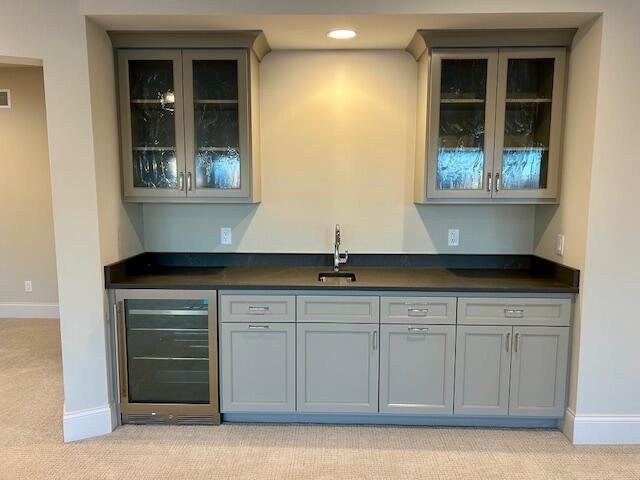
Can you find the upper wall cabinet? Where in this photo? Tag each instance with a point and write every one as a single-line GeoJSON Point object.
{"type": "Point", "coordinates": [189, 116]}
{"type": "Point", "coordinates": [490, 111]}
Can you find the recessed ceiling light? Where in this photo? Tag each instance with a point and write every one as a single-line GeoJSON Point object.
{"type": "Point", "coordinates": [341, 34]}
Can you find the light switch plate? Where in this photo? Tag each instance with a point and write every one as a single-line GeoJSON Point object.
{"type": "Point", "coordinates": [453, 238]}
{"type": "Point", "coordinates": [560, 244]}
{"type": "Point", "coordinates": [226, 237]}
{"type": "Point", "coordinates": [28, 286]}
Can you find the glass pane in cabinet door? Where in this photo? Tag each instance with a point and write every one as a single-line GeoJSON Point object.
{"type": "Point", "coordinates": [463, 88]}
{"type": "Point", "coordinates": [167, 351]}
{"type": "Point", "coordinates": [153, 129]}
{"type": "Point", "coordinates": [216, 127]}
{"type": "Point", "coordinates": [527, 127]}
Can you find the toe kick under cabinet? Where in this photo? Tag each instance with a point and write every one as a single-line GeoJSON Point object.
{"type": "Point", "coordinates": [404, 355]}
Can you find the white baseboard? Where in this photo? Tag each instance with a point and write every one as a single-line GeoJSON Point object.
{"type": "Point", "coordinates": [29, 310]}
{"type": "Point", "coordinates": [602, 429]}
{"type": "Point", "coordinates": [88, 423]}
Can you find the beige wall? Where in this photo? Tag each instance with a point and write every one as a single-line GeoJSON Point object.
{"type": "Point", "coordinates": [27, 250]}
{"type": "Point", "coordinates": [570, 217]}
{"type": "Point", "coordinates": [338, 134]}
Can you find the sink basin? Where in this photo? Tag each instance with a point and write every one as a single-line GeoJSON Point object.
{"type": "Point", "coordinates": [324, 276]}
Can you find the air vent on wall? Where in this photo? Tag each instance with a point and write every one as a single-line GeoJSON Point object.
{"type": "Point", "coordinates": [5, 98]}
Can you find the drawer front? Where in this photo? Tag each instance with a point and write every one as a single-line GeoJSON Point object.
{"type": "Point", "coordinates": [338, 309]}
{"type": "Point", "coordinates": [514, 311]}
{"type": "Point", "coordinates": [265, 308]}
{"type": "Point", "coordinates": [418, 310]}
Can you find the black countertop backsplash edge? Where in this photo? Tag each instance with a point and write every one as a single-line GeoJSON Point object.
{"type": "Point", "coordinates": [149, 262]}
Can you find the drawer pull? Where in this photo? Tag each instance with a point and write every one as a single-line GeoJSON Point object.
{"type": "Point", "coordinates": [258, 327]}
{"type": "Point", "coordinates": [417, 312]}
{"type": "Point", "coordinates": [258, 310]}
{"type": "Point", "coordinates": [422, 330]}
{"type": "Point", "coordinates": [513, 312]}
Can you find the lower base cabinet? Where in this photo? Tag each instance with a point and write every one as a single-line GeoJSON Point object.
{"type": "Point", "coordinates": [505, 370]}
{"type": "Point", "coordinates": [337, 367]}
{"type": "Point", "coordinates": [417, 369]}
{"type": "Point", "coordinates": [257, 367]}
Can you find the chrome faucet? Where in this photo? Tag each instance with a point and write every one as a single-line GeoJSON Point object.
{"type": "Point", "coordinates": [338, 257]}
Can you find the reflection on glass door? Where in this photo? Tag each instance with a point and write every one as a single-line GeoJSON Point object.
{"type": "Point", "coordinates": [167, 344]}
{"type": "Point", "coordinates": [462, 122]}
{"type": "Point", "coordinates": [526, 122]}
{"type": "Point", "coordinates": [216, 96]}
{"type": "Point", "coordinates": [153, 128]}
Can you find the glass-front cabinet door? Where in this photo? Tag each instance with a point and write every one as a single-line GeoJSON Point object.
{"type": "Point", "coordinates": [216, 112]}
{"type": "Point", "coordinates": [528, 122]}
{"type": "Point", "coordinates": [461, 123]}
{"type": "Point", "coordinates": [167, 354]}
{"type": "Point", "coordinates": [151, 123]}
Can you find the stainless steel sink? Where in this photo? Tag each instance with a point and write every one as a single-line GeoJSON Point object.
{"type": "Point", "coordinates": [348, 276]}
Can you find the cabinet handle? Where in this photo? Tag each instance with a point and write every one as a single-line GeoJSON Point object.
{"type": "Point", "coordinates": [258, 310]}
{"type": "Point", "coordinates": [417, 330]}
{"type": "Point", "coordinates": [181, 181]}
{"type": "Point", "coordinates": [189, 183]}
{"type": "Point", "coordinates": [489, 182]}
{"type": "Point", "coordinates": [258, 327]}
{"type": "Point", "coordinates": [375, 340]}
{"type": "Point", "coordinates": [508, 341]}
{"type": "Point", "coordinates": [514, 312]}
{"type": "Point", "coordinates": [497, 182]}
{"type": "Point", "coordinates": [417, 312]}
{"type": "Point", "coordinates": [516, 343]}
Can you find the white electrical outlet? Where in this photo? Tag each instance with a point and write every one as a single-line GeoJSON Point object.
{"type": "Point", "coordinates": [560, 244]}
{"type": "Point", "coordinates": [453, 238]}
{"type": "Point", "coordinates": [28, 286]}
{"type": "Point", "coordinates": [226, 237]}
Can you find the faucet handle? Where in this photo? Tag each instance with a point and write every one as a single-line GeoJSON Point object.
{"type": "Point", "coordinates": [344, 256]}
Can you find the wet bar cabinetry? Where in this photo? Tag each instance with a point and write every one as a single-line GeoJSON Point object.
{"type": "Point", "coordinates": [490, 113]}
{"type": "Point", "coordinates": [189, 116]}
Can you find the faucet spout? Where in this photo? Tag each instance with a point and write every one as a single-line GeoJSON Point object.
{"type": "Point", "coordinates": [338, 257]}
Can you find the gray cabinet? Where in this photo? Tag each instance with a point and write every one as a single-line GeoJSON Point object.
{"type": "Point", "coordinates": [337, 367]}
{"type": "Point", "coordinates": [189, 117]}
{"type": "Point", "coordinates": [416, 369]}
{"type": "Point", "coordinates": [257, 367]}
{"type": "Point", "coordinates": [489, 119]}
{"type": "Point", "coordinates": [538, 371]}
{"type": "Point", "coordinates": [482, 370]}
{"type": "Point", "coordinates": [518, 371]}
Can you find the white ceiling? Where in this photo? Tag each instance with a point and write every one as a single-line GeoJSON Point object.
{"type": "Point", "coordinates": [285, 32]}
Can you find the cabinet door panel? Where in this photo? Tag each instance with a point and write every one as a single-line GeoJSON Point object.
{"type": "Point", "coordinates": [216, 116]}
{"type": "Point", "coordinates": [151, 123]}
{"type": "Point", "coordinates": [257, 367]}
{"type": "Point", "coordinates": [337, 367]}
{"type": "Point", "coordinates": [538, 371]}
{"type": "Point", "coordinates": [482, 370]}
{"type": "Point", "coordinates": [528, 122]}
{"type": "Point", "coordinates": [416, 369]}
{"type": "Point", "coordinates": [461, 123]}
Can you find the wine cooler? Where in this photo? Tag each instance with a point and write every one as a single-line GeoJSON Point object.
{"type": "Point", "coordinates": [167, 355]}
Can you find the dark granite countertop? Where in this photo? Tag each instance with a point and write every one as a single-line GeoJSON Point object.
{"type": "Point", "coordinates": [425, 273]}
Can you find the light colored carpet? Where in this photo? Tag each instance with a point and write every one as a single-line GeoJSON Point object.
{"type": "Point", "coordinates": [31, 444]}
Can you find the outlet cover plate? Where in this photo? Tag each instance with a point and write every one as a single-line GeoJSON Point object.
{"type": "Point", "coordinates": [453, 237]}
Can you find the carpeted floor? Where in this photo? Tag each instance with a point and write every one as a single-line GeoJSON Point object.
{"type": "Point", "coordinates": [31, 440]}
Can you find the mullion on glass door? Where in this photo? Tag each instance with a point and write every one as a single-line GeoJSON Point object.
{"type": "Point", "coordinates": [528, 118]}
{"type": "Point", "coordinates": [152, 134]}
{"type": "Point", "coordinates": [461, 124]}
{"type": "Point", "coordinates": [216, 123]}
